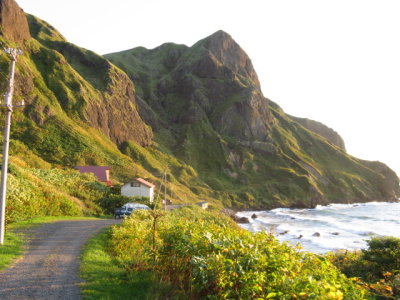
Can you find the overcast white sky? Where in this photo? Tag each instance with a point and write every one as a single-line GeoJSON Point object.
{"type": "Point", "coordinates": [336, 61]}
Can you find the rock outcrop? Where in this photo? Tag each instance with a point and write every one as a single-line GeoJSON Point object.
{"type": "Point", "coordinates": [214, 80]}
{"type": "Point", "coordinates": [13, 22]}
{"type": "Point", "coordinates": [104, 97]}
{"type": "Point", "coordinates": [229, 54]}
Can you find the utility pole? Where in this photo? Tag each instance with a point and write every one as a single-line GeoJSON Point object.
{"type": "Point", "coordinates": [8, 107]}
{"type": "Point", "coordinates": [165, 190]}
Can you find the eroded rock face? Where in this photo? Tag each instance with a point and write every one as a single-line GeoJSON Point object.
{"type": "Point", "coordinates": [14, 25]}
{"type": "Point", "coordinates": [106, 100]}
{"type": "Point", "coordinates": [236, 106]}
{"type": "Point", "coordinates": [230, 54]}
{"type": "Point", "coordinates": [117, 115]}
{"type": "Point", "coordinates": [212, 81]}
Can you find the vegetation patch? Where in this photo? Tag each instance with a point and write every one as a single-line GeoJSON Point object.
{"type": "Point", "coordinates": [106, 279]}
{"type": "Point", "coordinates": [377, 267]}
{"type": "Point", "coordinates": [203, 255]}
{"type": "Point", "coordinates": [11, 249]}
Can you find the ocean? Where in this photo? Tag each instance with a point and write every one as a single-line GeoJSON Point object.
{"type": "Point", "coordinates": [331, 227]}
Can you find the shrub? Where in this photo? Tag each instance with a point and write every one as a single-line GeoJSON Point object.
{"type": "Point", "coordinates": [377, 267]}
{"type": "Point", "coordinates": [205, 255]}
{"type": "Point", "coordinates": [383, 253]}
{"type": "Point", "coordinates": [112, 201]}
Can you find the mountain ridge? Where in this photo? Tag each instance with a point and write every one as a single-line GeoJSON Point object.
{"type": "Point", "coordinates": [216, 96]}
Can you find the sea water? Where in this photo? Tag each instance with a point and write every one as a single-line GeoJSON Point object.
{"type": "Point", "coordinates": [331, 227]}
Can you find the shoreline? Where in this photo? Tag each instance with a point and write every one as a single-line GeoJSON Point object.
{"type": "Point", "coordinates": [329, 227]}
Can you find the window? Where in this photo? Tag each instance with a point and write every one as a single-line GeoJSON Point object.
{"type": "Point", "coordinates": [135, 184]}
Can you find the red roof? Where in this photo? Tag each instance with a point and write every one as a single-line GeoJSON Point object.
{"type": "Point", "coordinates": [146, 183]}
{"type": "Point", "coordinates": [98, 171]}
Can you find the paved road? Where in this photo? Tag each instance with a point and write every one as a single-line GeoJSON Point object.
{"type": "Point", "coordinates": [49, 269]}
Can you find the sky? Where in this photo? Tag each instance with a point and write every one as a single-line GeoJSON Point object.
{"type": "Point", "coordinates": [334, 61]}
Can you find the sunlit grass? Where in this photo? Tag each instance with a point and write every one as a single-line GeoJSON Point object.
{"type": "Point", "coordinates": [11, 249]}
{"type": "Point", "coordinates": [105, 279]}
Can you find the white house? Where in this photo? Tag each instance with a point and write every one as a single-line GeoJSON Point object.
{"type": "Point", "coordinates": [138, 187]}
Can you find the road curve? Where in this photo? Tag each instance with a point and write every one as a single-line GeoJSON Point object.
{"type": "Point", "coordinates": [49, 269]}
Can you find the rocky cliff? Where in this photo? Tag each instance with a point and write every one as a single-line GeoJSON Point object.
{"type": "Point", "coordinates": [214, 80]}
{"type": "Point", "coordinates": [207, 97]}
{"type": "Point", "coordinates": [84, 85]}
{"type": "Point", "coordinates": [14, 25]}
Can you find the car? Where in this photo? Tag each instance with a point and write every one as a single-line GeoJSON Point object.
{"type": "Point", "coordinates": [127, 209]}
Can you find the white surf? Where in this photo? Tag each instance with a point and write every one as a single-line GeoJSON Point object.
{"type": "Point", "coordinates": [331, 227]}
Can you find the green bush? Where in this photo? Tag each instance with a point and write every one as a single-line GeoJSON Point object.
{"type": "Point", "coordinates": [377, 267]}
{"type": "Point", "coordinates": [112, 201]}
{"type": "Point", "coordinates": [384, 255]}
{"type": "Point", "coordinates": [205, 255]}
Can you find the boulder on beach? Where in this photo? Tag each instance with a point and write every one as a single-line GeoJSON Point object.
{"type": "Point", "coordinates": [242, 220]}
{"type": "Point", "coordinates": [231, 213]}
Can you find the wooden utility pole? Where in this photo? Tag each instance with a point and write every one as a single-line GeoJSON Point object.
{"type": "Point", "coordinates": [8, 107]}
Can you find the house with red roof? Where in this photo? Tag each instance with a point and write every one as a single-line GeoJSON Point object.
{"type": "Point", "coordinates": [101, 172]}
{"type": "Point", "coordinates": [138, 187]}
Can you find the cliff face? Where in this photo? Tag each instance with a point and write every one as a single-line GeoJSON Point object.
{"type": "Point", "coordinates": [79, 107]}
{"type": "Point", "coordinates": [14, 25]}
{"type": "Point", "coordinates": [207, 98]}
{"type": "Point", "coordinates": [214, 80]}
{"type": "Point", "coordinates": [228, 53]}
{"type": "Point", "coordinates": [87, 86]}
{"type": "Point", "coordinates": [109, 102]}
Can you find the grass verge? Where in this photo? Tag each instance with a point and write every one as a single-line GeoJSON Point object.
{"type": "Point", "coordinates": [11, 249]}
{"type": "Point", "coordinates": [105, 279]}
{"type": "Point", "coordinates": [15, 240]}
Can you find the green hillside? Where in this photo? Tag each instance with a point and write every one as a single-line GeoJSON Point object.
{"type": "Point", "coordinates": [205, 106]}
{"type": "Point", "coordinates": [80, 110]}
{"type": "Point", "coordinates": [196, 112]}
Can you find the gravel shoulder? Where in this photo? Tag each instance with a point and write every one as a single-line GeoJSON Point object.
{"type": "Point", "coordinates": [49, 268]}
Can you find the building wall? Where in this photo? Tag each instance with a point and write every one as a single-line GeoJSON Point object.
{"type": "Point", "coordinates": [140, 191]}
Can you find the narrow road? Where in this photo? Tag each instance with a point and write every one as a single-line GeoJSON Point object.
{"type": "Point", "coordinates": [49, 268]}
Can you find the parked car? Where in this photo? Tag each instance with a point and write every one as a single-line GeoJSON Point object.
{"type": "Point", "coordinates": [127, 209]}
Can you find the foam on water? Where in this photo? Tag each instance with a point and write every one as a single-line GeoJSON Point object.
{"type": "Point", "coordinates": [331, 227]}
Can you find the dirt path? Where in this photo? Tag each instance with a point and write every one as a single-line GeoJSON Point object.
{"type": "Point", "coordinates": [49, 269]}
